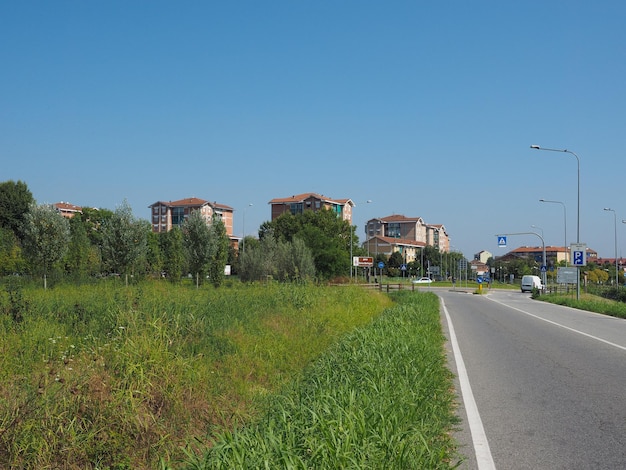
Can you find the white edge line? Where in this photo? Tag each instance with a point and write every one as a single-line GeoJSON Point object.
{"type": "Point", "coordinates": [484, 458]}
{"type": "Point", "coordinates": [561, 325]}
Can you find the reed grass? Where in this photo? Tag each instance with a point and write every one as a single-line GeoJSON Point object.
{"type": "Point", "coordinates": [379, 399]}
{"type": "Point", "coordinates": [107, 376]}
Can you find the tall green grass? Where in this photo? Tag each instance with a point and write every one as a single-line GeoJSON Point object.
{"type": "Point", "coordinates": [379, 399]}
{"type": "Point", "coordinates": [106, 376]}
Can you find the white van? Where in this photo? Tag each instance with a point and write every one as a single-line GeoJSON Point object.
{"type": "Point", "coordinates": [531, 282]}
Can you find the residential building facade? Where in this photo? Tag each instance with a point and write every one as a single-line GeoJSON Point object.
{"type": "Point", "coordinates": [299, 203]}
{"type": "Point", "coordinates": [407, 232]}
{"type": "Point", "coordinates": [166, 215]}
{"type": "Point", "coordinates": [554, 254]}
{"type": "Point", "coordinates": [66, 209]}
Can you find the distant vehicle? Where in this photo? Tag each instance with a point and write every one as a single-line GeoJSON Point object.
{"type": "Point", "coordinates": [531, 282]}
{"type": "Point", "coordinates": [422, 280]}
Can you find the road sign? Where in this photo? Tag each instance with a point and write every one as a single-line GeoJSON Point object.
{"type": "Point", "coordinates": [566, 275]}
{"type": "Point", "coordinates": [381, 265]}
{"type": "Point", "coordinates": [501, 241]}
{"type": "Point", "coordinates": [543, 268]}
{"type": "Point", "coordinates": [362, 261]}
{"type": "Point", "coordinates": [403, 267]}
{"type": "Point", "coordinates": [579, 254]}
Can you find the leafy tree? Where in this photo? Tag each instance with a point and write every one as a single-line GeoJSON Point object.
{"type": "Point", "coordinates": [197, 241]}
{"type": "Point", "coordinates": [46, 238]}
{"type": "Point", "coordinates": [217, 263]}
{"type": "Point", "coordinates": [172, 250]}
{"type": "Point", "coordinates": [123, 240]}
{"type": "Point", "coordinates": [94, 220]}
{"type": "Point", "coordinates": [78, 257]}
{"type": "Point", "coordinates": [154, 256]}
{"type": "Point", "coordinates": [15, 202]}
{"type": "Point", "coordinates": [11, 260]}
{"type": "Point", "coordinates": [281, 260]}
{"type": "Point", "coordinates": [325, 234]}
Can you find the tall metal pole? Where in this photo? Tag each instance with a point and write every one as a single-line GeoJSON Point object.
{"type": "Point", "coordinates": [243, 239]}
{"type": "Point", "coordinates": [615, 227]}
{"type": "Point", "coordinates": [537, 147]}
{"type": "Point", "coordinates": [352, 230]}
{"type": "Point", "coordinates": [564, 223]}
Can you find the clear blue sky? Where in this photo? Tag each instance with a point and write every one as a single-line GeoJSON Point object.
{"type": "Point", "coordinates": [426, 108]}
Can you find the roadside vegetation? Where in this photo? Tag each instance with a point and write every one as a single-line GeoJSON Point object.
{"type": "Point", "coordinates": [156, 375]}
{"type": "Point", "coordinates": [381, 398]}
{"type": "Point", "coordinates": [607, 302]}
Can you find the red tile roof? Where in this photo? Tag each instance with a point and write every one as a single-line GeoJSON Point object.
{"type": "Point", "coordinates": [302, 197]}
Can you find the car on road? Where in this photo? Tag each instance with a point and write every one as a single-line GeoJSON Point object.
{"type": "Point", "coordinates": [422, 280]}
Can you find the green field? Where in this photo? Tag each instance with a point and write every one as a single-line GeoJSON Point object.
{"type": "Point", "coordinates": [156, 375]}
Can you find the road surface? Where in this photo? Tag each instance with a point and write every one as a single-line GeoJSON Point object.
{"type": "Point", "coordinates": [540, 386]}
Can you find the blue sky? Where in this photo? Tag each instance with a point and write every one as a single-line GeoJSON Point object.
{"type": "Point", "coordinates": [425, 108]}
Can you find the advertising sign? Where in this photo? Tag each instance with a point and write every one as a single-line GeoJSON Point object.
{"type": "Point", "coordinates": [362, 261]}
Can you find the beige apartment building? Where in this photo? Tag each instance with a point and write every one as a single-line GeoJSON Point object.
{"type": "Point", "coordinates": [66, 209]}
{"type": "Point", "coordinates": [299, 203]}
{"type": "Point", "coordinates": [404, 234]}
{"type": "Point", "coordinates": [165, 215]}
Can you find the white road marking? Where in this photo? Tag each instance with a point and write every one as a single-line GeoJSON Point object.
{"type": "Point", "coordinates": [484, 458]}
{"type": "Point", "coordinates": [561, 325]}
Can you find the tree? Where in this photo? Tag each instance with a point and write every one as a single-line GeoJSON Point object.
{"type": "Point", "coordinates": [11, 260]}
{"type": "Point", "coordinates": [172, 250]}
{"type": "Point", "coordinates": [123, 240]}
{"type": "Point", "coordinates": [15, 202]}
{"type": "Point", "coordinates": [217, 263]}
{"type": "Point", "coordinates": [94, 220]}
{"type": "Point", "coordinates": [325, 234]}
{"type": "Point", "coordinates": [198, 247]}
{"type": "Point", "coordinates": [281, 260]}
{"type": "Point", "coordinates": [46, 238]}
{"type": "Point", "coordinates": [77, 260]}
{"type": "Point", "coordinates": [154, 256]}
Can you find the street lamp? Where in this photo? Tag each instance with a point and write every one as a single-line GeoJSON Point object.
{"type": "Point", "coordinates": [535, 226]}
{"type": "Point", "coordinates": [243, 239]}
{"type": "Point", "coordinates": [537, 147]}
{"type": "Point", "coordinates": [369, 201]}
{"type": "Point", "coordinates": [564, 223]}
{"type": "Point", "coordinates": [615, 226]}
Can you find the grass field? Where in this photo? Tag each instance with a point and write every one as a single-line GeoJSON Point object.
{"type": "Point", "coordinates": [152, 375]}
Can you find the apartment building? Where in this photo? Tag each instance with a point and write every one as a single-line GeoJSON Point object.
{"type": "Point", "coordinates": [409, 249]}
{"type": "Point", "coordinates": [299, 203]}
{"type": "Point", "coordinates": [408, 230]}
{"type": "Point", "coordinates": [66, 209]}
{"type": "Point", "coordinates": [165, 215]}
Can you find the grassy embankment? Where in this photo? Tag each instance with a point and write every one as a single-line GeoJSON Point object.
{"type": "Point", "coordinates": [589, 302]}
{"type": "Point", "coordinates": [112, 377]}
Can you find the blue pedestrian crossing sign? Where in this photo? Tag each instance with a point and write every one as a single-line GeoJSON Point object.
{"type": "Point", "coordinates": [579, 254]}
{"type": "Point", "coordinates": [501, 241]}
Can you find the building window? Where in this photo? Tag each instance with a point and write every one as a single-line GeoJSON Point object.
{"type": "Point", "coordinates": [178, 215]}
{"type": "Point", "coordinates": [296, 208]}
{"type": "Point", "coordinates": [317, 204]}
{"type": "Point", "coordinates": [394, 230]}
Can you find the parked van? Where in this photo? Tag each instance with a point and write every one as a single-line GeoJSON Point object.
{"type": "Point", "coordinates": [531, 282]}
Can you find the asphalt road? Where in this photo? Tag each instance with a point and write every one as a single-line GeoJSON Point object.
{"type": "Point", "coordinates": [540, 386]}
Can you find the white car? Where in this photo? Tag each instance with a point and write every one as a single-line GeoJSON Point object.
{"type": "Point", "coordinates": [422, 280]}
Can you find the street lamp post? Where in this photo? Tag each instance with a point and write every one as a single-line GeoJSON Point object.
{"type": "Point", "coordinates": [243, 226]}
{"type": "Point", "coordinates": [537, 147]}
{"type": "Point", "coordinates": [564, 223]}
{"type": "Point", "coordinates": [615, 227]}
{"type": "Point", "coordinates": [369, 201]}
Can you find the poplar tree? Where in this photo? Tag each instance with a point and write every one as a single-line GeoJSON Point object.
{"type": "Point", "coordinates": [46, 238]}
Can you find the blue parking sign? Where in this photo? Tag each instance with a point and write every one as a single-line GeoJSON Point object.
{"type": "Point", "coordinates": [579, 251]}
